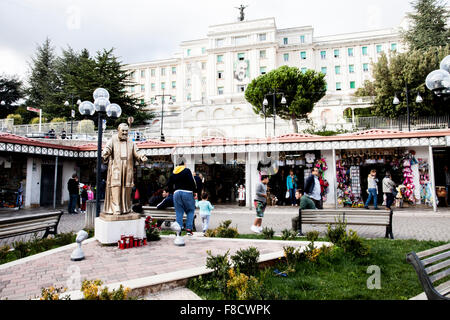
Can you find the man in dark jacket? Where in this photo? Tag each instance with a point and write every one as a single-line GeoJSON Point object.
{"type": "Point", "coordinates": [182, 185]}
{"type": "Point", "coordinates": [313, 188]}
{"type": "Point", "coordinates": [199, 183]}
{"type": "Point", "coordinates": [73, 188]}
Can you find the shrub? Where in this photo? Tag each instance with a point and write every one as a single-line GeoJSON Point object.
{"type": "Point", "coordinates": [287, 234]}
{"type": "Point", "coordinates": [312, 236]}
{"type": "Point", "coordinates": [354, 244]}
{"type": "Point", "coordinates": [58, 120]}
{"type": "Point", "coordinates": [21, 249]}
{"type": "Point", "coordinates": [246, 261]}
{"type": "Point", "coordinates": [336, 233]}
{"type": "Point", "coordinates": [93, 290]}
{"type": "Point", "coordinates": [17, 118]}
{"type": "Point", "coordinates": [220, 265]}
{"type": "Point", "coordinates": [268, 233]}
{"type": "Point", "coordinates": [242, 286]}
{"type": "Point", "coordinates": [223, 231]}
{"type": "Point", "coordinates": [35, 120]}
{"type": "Point", "coordinates": [86, 126]}
{"type": "Point", "coordinates": [4, 250]}
{"type": "Point", "coordinates": [53, 293]}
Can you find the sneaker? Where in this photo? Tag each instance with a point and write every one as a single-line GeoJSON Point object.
{"type": "Point", "coordinates": [189, 232]}
{"type": "Point", "coordinates": [255, 229]}
{"type": "Point", "coordinates": [260, 229]}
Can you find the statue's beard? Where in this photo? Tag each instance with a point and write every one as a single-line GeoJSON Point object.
{"type": "Point", "coordinates": [123, 137]}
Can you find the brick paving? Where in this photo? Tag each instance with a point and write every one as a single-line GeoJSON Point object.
{"type": "Point", "coordinates": [24, 280]}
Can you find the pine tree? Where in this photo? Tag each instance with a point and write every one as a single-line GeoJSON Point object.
{"type": "Point", "coordinates": [428, 25]}
{"type": "Point", "coordinates": [10, 93]}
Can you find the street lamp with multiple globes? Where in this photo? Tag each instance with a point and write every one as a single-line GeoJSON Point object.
{"type": "Point", "coordinates": [397, 101]}
{"type": "Point", "coordinates": [103, 107]}
{"type": "Point", "coordinates": [438, 81]}
{"type": "Point", "coordinates": [155, 103]}
{"type": "Point", "coordinates": [274, 94]}
{"type": "Point", "coordinates": [72, 113]}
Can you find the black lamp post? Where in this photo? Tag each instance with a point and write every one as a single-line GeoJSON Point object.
{"type": "Point", "coordinates": [162, 110]}
{"type": "Point", "coordinates": [397, 101]}
{"type": "Point", "coordinates": [274, 94]}
{"type": "Point", "coordinates": [103, 107]}
{"type": "Point", "coordinates": [72, 113]}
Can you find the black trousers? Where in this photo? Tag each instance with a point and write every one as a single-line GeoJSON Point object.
{"type": "Point", "coordinates": [318, 203]}
{"type": "Point", "coordinates": [389, 199]}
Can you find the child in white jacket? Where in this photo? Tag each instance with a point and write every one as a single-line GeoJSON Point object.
{"type": "Point", "coordinates": [205, 210]}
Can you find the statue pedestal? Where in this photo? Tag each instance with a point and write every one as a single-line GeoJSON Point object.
{"type": "Point", "coordinates": [109, 228]}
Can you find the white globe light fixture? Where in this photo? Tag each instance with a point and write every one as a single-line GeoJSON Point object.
{"type": "Point", "coordinates": [86, 108]}
{"type": "Point", "coordinates": [438, 81]}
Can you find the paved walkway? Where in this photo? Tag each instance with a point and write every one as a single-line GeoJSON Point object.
{"type": "Point", "coordinates": [136, 267]}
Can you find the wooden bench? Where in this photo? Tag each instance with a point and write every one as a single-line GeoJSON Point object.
{"type": "Point", "coordinates": [349, 216]}
{"type": "Point", "coordinates": [16, 226]}
{"type": "Point", "coordinates": [431, 266]}
{"type": "Point", "coordinates": [163, 215]}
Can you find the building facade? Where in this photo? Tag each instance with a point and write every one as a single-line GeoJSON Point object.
{"type": "Point", "coordinates": [207, 79]}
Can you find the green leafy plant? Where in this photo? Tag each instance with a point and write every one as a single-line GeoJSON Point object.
{"type": "Point", "coordinates": [223, 231]}
{"type": "Point", "coordinates": [336, 233]}
{"type": "Point", "coordinates": [93, 290]}
{"type": "Point", "coordinates": [152, 230]}
{"type": "Point", "coordinates": [246, 261]}
{"type": "Point", "coordinates": [312, 236]}
{"type": "Point", "coordinates": [243, 287]}
{"type": "Point", "coordinates": [268, 233]}
{"type": "Point", "coordinates": [287, 234]}
{"type": "Point", "coordinates": [21, 249]}
{"type": "Point", "coordinates": [220, 265]}
{"type": "Point", "coordinates": [4, 250]}
{"type": "Point", "coordinates": [354, 244]}
{"type": "Point", "coordinates": [53, 293]}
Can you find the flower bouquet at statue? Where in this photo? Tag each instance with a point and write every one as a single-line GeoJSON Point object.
{"type": "Point", "coordinates": [152, 230]}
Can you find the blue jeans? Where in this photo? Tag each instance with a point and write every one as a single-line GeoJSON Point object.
{"type": "Point", "coordinates": [205, 222]}
{"type": "Point", "coordinates": [372, 194]}
{"type": "Point", "coordinates": [292, 196]}
{"type": "Point", "coordinates": [184, 203]}
{"type": "Point", "coordinates": [73, 198]}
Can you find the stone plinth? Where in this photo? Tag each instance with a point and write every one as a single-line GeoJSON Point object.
{"type": "Point", "coordinates": [109, 228]}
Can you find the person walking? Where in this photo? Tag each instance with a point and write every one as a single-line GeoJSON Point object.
{"type": "Point", "coordinates": [205, 211]}
{"type": "Point", "coordinates": [313, 188]}
{"type": "Point", "coordinates": [182, 185]}
{"type": "Point", "coordinates": [260, 203]}
{"type": "Point", "coordinates": [84, 198]}
{"type": "Point", "coordinates": [388, 190]}
{"type": "Point", "coordinates": [372, 189]}
{"type": "Point", "coordinates": [291, 185]}
{"type": "Point", "coordinates": [199, 183]}
{"type": "Point", "coordinates": [72, 186]}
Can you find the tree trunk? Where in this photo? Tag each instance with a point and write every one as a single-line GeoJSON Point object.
{"type": "Point", "coordinates": [294, 124]}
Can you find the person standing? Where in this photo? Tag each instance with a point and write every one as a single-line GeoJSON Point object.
{"type": "Point", "coordinates": [260, 203]}
{"type": "Point", "coordinates": [447, 181]}
{"type": "Point", "coordinates": [199, 183]}
{"type": "Point", "coordinates": [205, 211]}
{"type": "Point", "coordinates": [84, 198]}
{"type": "Point", "coordinates": [182, 185]}
{"type": "Point", "coordinates": [372, 189]}
{"type": "Point", "coordinates": [313, 188]}
{"type": "Point", "coordinates": [72, 186]}
{"type": "Point", "coordinates": [291, 185]}
{"type": "Point", "coordinates": [241, 196]}
{"type": "Point", "coordinates": [388, 189]}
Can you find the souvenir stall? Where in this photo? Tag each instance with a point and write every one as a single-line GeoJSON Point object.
{"type": "Point", "coordinates": [153, 175]}
{"type": "Point", "coordinates": [12, 176]}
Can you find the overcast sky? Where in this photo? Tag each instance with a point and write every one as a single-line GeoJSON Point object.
{"type": "Point", "coordinates": [144, 30]}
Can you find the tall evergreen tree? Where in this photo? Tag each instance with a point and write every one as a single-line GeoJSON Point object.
{"type": "Point", "coordinates": [44, 85]}
{"type": "Point", "coordinates": [428, 25]}
{"type": "Point", "coordinates": [10, 93]}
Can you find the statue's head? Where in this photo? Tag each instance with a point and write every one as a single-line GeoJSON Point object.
{"type": "Point", "coordinates": [123, 131]}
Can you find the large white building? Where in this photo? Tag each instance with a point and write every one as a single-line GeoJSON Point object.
{"type": "Point", "coordinates": [208, 77]}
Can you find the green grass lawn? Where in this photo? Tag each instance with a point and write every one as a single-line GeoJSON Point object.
{"type": "Point", "coordinates": [342, 276]}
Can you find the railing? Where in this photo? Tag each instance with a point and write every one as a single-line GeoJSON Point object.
{"type": "Point", "coordinates": [401, 123]}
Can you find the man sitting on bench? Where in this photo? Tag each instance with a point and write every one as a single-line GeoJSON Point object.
{"type": "Point", "coordinates": [167, 202]}
{"type": "Point", "coordinates": [305, 203]}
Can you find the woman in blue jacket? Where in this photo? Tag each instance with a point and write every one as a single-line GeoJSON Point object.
{"type": "Point", "coordinates": [291, 184]}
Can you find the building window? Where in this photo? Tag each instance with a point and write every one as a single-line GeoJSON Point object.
{"type": "Point", "coordinates": [365, 67]}
{"type": "Point", "coordinates": [153, 86]}
{"type": "Point", "coordinates": [174, 84]}
{"type": "Point", "coordinates": [220, 42]}
{"type": "Point", "coordinates": [188, 82]}
{"type": "Point", "coordinates": [220, 91]}
{"type": "Point", "coordinates": [351, 68]}
{"type": "Point", "coordinates": [188, 52]}
{"type": "Point", "coordinates": [303, 70]}
{"type": "Point", "coordinates": [379, 48]}
{"type": "Point", "coordinates": [364, 51]}
{"type": "Point", "coordinates": [336, 53]}
{"type": "Point", "coordinates": [240, 40]}
{"type": "Point", "coordinates": [338, 86]}
{"type": "Point", "coordinates": [142, 88]}
{"type": "Point", "coordinates": [262, 70]}
{"type": "Point", "coordinates": [337, 69]}
{"type": "Point", "coordinates": [174, 99]}
{"type": "Point", "coordinates": [163, 71]}
{"type": "Point", "coordinates": [220, 58]}
{"type": "Point", "coordinates": [302, 39]}
{"type": "Point", "coordinates": [262, 54]}
{"type": "Point", "coordinates": [285, 41]}
{"type": "Point", "coordinates": [174, 70]}
{"type": "Point", "coordinates": [153, 72]}
{"type": "Point", "coordinates": [352, 85]}
{"type": "Point", "coordinates": [188, 67]}
{"type": "Point", "coordinates": [303, 55]}
{"type": "Point", "coordinates": [220, 75]}
{"type": "Point", "coordinates": [152, 100]}
{"type": "Point", "coordinates": [262, 37]}
{"type": "Point", "coordinates": [323, 55]}
{"type": "Point", "coordinates": [142, 102]}
{"type": "Point", "coordinates": [132, 74]}
{"type": "Point", "coordinates": [241, 56]}
{"type": "Point", "coordinates": [203, 80]}
{"type": "Point", "coordinates": [350, 52]}
{"type": "Point", "coordinates": [394, 47]}
{"type": "Point", "coordinates": [323, 70]}
{"type": "Point", "coordinates": [163, 85]}
{"type": "Point", "coordinates": [132, 89]}
{"type": "Point", "coordinates": [203, 65]}
{"type": "Point", "coordinates": [286, 57]}
{"type": "Point", "coordinates": [188, 97]}
{"type": "Point", "coordinates": [241, 88]}
{"type": "Point", "coordinates": [203, 50]}
{"type": "Point", "coordinates": [142, 73]}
